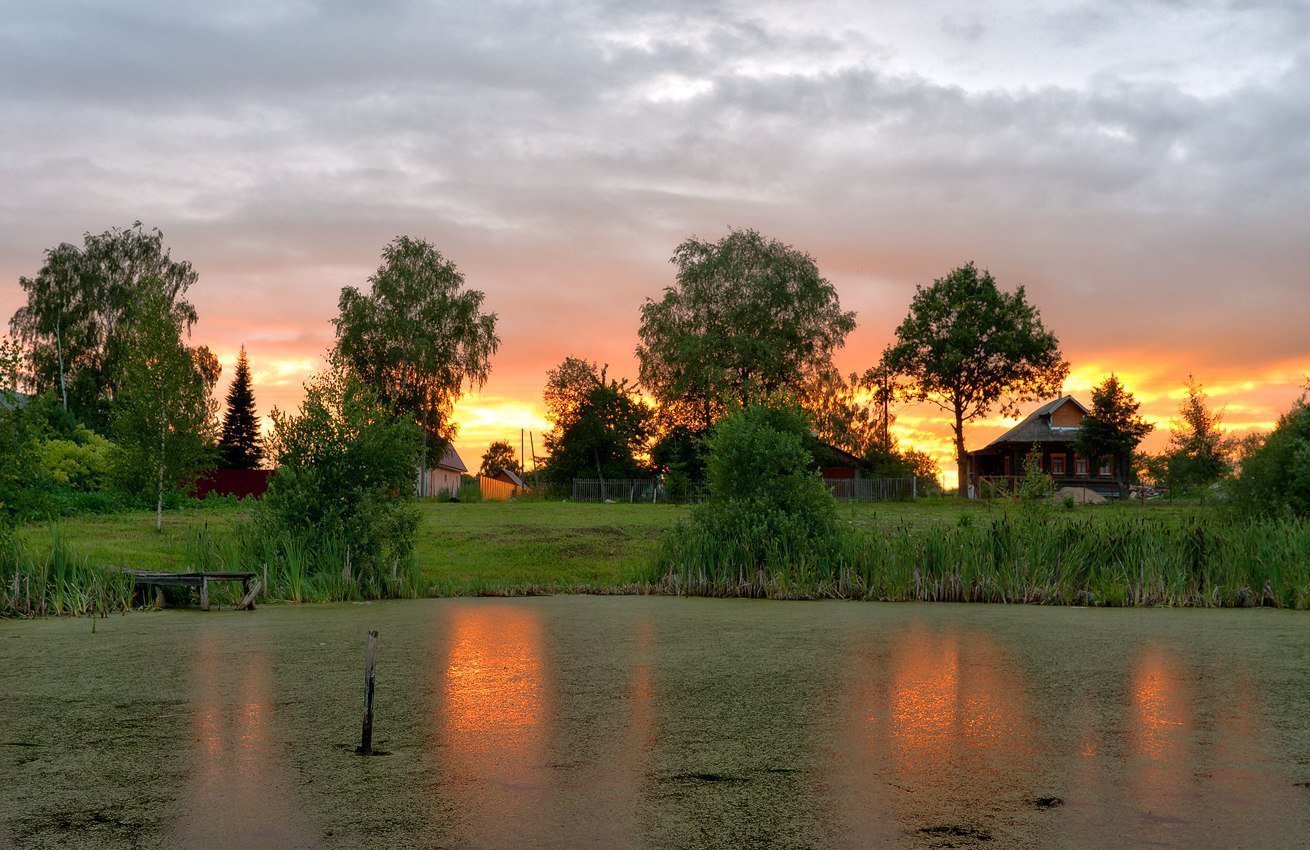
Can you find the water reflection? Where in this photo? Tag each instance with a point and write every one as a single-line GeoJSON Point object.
{"type": "Point", "coordinates": [237, 794]}
{"type": "Point", "coordinates": [491, 717]}
{"type": "Point", "coordinates": [944, 726]}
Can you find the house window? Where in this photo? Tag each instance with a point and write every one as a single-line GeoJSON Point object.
{"type": "Point", "coordinates": [1057, 464]}
{"type": "Point", "coordinates": [1105, 470]}
{"type": "Point", "coordinates": [1080, 467]}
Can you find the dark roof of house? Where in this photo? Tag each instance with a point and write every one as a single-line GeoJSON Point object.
{"type": "Point", "coordinates": [450, 459]}
{"type": "Point", "coordinates": [512, 476]}
{"type": "Point", "coordinates": [1037, 428]}
{"type": "Point", "coordinates": [12, 400]}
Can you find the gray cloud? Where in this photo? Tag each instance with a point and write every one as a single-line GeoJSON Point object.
{"type": "Point", "coordinates": [1143, 168]}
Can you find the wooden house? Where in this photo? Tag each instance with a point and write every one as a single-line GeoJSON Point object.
{"type": "Point", "coordinates": [444, 477]}
{"type": "Point", "coordinates": [1051, 429]}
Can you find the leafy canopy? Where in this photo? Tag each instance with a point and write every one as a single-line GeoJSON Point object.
{"type": "Point", "coordinates": [1275, 472]}
{"type": "Point", "coordinates": [163, 416]}
{"type": "Point", "coordinates": [80, 304]}
{"type": "Point", "coordinates": [418, 337]}
{"type": "Point", "coordinates": [748, 316]}
{"type": "Point", "coordinates": [600, 427]}
{"type": "Point", "coordinates": [768, 508]}
{"type": "Point", "coordinates": [1113, 427]}
{"type": "Point", "coordinates": [1199, 453]}
{"type": "Point", "coordinates": [240, 445]}
{"type": "Point", "coordinates": [500, 455]}
{"type": "Point", "coordinates": [969, 348]}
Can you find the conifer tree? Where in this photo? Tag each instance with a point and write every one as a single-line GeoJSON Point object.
{"type": "Point", "coordinates": [240, 444]}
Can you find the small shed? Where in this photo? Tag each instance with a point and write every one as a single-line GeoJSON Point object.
{"type": "Point", "coordinates": [444, 477]}
{"type": "Point", "coordinates": [509, 476]}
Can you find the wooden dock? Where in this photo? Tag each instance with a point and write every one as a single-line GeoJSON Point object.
{"type": "Point", "coordinates": [146, 579]}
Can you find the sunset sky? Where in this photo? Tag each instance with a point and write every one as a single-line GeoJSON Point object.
{"type": "Point", "coordinates": [1143, 168]}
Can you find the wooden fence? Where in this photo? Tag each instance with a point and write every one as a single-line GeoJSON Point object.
{"type": "Point", "coordinates": [495, 491]}
{"type": "Point", "coordinates": [655, 490]}
{"type": "Point", "coordinates": [651, 490]}
{"type": "Point", "coordinates": [873, 489]}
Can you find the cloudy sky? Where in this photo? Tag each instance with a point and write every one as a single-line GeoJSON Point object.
{"type": "Point", "coordinates": [1143, 168]}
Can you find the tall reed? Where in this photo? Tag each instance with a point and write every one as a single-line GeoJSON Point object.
{"type": "Point", "coordinates": [1020, 557]}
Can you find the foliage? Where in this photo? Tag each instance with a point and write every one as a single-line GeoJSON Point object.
{"type": "Point", "coordinates": [79, 310]}
{"type": "Point", "coordinates": [83, 464]}
{"type": "Point", "coordinates": [601, 425]}
{"type": "Point", "coordinates": [1275, 472]}
{"type": "Point", "coordinates": [13, 367]}
{"type": "Point", "coordinates": [747, 317]}
{"type": "Point", "coordinates": [1113, 427]}
{"type": "Point", "coordinates": [1036, 484]}
{"type": "Point", "coordinates": [968, 347]}
{"type": "Point", "coordinates": [418, 337]}
{"type": "Point", "coordinates": [345, 478]}
{"type": "Point", "coordinates": [500, 455]}
{"type": "Point", "coordinates": [842, 416]}
{"type": "Point", "coordinates": [239, 445]}
{"type": "Point", "coordinates": [768, 508]}
{"type": "Point", "coordinates": [1199, 455]}
{"type": "Point", "coordinates": [22, 475]}
{"type": "Point", "coordinates": [163, 415]}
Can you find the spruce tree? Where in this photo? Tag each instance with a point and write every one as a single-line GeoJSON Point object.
{"type": "Point", "coordinates": [240, 445]}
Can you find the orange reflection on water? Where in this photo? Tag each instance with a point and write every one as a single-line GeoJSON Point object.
{"type": "Point", "coordinates": [1160, 707]}
{"type": "Point", "coordinates": [494, 683]}
{"type": "Point", "coordinates": [946, 693]}
{"type": "Point", "coordinates": [491, 708]}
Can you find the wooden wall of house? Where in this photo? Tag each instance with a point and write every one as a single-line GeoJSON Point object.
{"type": "Point", "coordinates": [1067, 415]}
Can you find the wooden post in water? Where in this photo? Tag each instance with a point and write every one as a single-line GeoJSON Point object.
{"type": "Point", "coordinates": [370, 659]}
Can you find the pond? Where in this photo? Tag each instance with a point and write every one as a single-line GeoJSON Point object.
{"type": "Point", "coordinates": [658, 722]}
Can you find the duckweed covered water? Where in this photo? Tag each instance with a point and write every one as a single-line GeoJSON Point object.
{"type": "Point", "coordinates": [658, 722]}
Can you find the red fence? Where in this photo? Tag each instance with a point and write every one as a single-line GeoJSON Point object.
{"type": "Point", "coordinates": [241, 483]}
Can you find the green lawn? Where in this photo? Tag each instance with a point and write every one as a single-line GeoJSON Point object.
{"type": "Point", "coordinates": [462, 548]}
{"type": "Point", "coordinates": [469, 548]}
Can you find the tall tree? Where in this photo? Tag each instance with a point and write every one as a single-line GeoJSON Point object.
{"type": "Point", "coordinates": [418, 338]}
{"type": "Point", "coordinates": [600, 427]}
{"type": "Point", "coordinates": [1275, 471]}
{"type": "Point", "coordinates": [748, 316]}
{"type": "Point", "coordinates": [842, 415]}
{"type": "Point", "coordinates": [1199, 453]}
{"type": "Point", "coordinates": [1113, 429]}
{"type": "Point", "coordinates": [163, 418]}
{"type": "Point", "coordinates": [500, 455]}
{"type": "Point", "coordinates": [78, 308]}
{"type": "Point", "coordinates": [967, 347]}
{"type": "Point", "coordinates": [240, 445]}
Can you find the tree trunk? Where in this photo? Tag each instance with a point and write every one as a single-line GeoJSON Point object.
{"type": "Point", "coordinates": [159, 493]}
{"type": "Point", "coordinates": [599, 475]}
{"type": "Point", "coordinates": [961, 459]}
{"type": "Point", "coordinates": [59, 350]}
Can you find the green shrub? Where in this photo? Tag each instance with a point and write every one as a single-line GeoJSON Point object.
{"type": "Point", "coordinates": [1275, 476]}
{"type": "Point", "coordinates": [343, 496]}
{"type": "Point", "coordinates": [769, 520]}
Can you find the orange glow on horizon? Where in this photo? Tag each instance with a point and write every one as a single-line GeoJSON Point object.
{"type": "Point", "coordinates": [512, 401]}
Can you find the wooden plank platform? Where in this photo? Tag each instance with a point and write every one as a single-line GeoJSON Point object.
{"type": "Point", "coordinates": [159, 579]}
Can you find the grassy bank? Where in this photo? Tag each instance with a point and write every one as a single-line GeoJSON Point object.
{"type": "Point", "coordinates": [1119, 554]}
